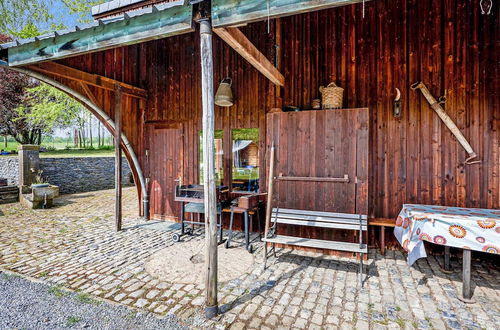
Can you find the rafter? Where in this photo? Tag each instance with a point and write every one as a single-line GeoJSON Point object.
{"type": "Point", "coordinates": [89, 93]}
{"type": "Point", "coordinates": [240, 43]}
{"type": "Point", "coordinates": [67, 72]}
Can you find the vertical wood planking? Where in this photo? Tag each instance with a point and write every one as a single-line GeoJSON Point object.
{"type": "Point", "coordinates": [415, 159]}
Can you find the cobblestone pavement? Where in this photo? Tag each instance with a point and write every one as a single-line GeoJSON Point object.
{"type": "Point", "coordinates": [74, 246]}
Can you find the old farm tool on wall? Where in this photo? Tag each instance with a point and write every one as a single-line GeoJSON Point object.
{"type": "Point", "coordinates": [436, 106]}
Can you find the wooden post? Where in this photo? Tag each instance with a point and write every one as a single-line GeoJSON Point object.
{"type": "Point", "coordinates": [118, 157]}
{"type": "Point", "coordinates": [466, 285]}
{"type": "Point", "coordinates": [447, 258]}
{"type": "Point", "coordinates": [212, 308]}
{"type": "Point", "coordinates": [269, 192]}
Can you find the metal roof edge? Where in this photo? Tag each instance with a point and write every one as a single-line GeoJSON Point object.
{"type": "Point", "coordinates": [132, 27]}
{"type": "Point", "coordinates": [123, 16]}
{"type": "Point", "coordinates": [117, 4]}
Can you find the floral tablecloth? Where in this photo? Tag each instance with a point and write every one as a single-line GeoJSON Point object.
{"type": "Point", "coordinates": [465, 228]}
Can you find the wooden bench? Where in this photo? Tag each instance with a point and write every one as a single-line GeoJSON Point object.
{"type": "Point", "coordinates": [317, 219]}
{"type": "Point", "coordinates": [382, 223]}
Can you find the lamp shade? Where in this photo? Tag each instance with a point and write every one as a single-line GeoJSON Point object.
{"type": "Point", "coordinates": [224, 95]}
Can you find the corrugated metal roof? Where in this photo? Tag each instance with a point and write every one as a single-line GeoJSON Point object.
{"type": "Point", "coordinates": [113, 5]}
{"type": "Point", "coordinates": [121, 17]}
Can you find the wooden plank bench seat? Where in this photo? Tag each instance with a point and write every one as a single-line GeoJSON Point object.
{"type": "Point", "coordinates": [317, 243]}
{"type": "Point", "coordinates": [318, 219]}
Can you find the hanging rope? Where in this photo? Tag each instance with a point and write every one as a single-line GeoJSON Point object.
{"type": "Point", "coordinates": [363, 8]}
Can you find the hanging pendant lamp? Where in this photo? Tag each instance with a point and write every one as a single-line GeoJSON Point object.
{"type": "Point", "coordinates": [224, 95]}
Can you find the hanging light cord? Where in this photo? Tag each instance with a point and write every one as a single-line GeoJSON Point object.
{"type": "Point", "coordinates": [363, 8]}
{"type": "Point", "coordinates": [268, 18]}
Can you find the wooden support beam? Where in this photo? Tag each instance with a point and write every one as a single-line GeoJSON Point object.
{"type": "Point", "coordinates": [118, 157]}
{"type": "Point", "coordinates": [208, 119]}
{"type": "Point", "coordinates": [89, 93]}
{"type": "Point", "coordinates": [147, 24]}
{"type": "Point", "coordinates": [236, 12]}
{"type": "Point", "coordinates": [67, 72]}
{"type": "Point", "coordinates": [240, 43]}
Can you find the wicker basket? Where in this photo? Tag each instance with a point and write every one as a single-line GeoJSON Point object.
{"type": "Point", "coordinates": [332, 96]}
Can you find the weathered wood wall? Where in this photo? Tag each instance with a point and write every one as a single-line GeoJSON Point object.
{"type": "Point", "coordinates": [415, 159]}
{"type": "Point", "coordinates": [447, 44]}
{"type": "Point", "coordinates": [323, 144]}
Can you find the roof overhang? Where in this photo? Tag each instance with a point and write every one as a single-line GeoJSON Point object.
{"type": "Point", "coordinates": [238, 12]}
{"type": "Point", "coordinates": [156, 22]}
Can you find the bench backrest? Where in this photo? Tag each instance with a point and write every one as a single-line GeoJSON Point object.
{"type": "Point", "coordinates": [320, 219]}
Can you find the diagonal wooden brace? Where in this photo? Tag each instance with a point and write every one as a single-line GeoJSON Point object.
{"type": "Point", "coordinates": [436, 106]}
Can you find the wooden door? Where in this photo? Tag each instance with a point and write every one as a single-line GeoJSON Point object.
{"type": "Point", "coordinates": [323, 144]}
{"type": "Point", "coordinates": [165, 168]}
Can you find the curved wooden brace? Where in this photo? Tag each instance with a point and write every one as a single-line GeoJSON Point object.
{"type": "Point", "coordinates": [107, 122]}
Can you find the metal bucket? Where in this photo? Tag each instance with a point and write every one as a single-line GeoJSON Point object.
{"type": "Point", "coordinates": [224, 95]}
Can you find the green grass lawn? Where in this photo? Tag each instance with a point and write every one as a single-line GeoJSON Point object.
{"type": "Point", "coordinates": [61, 150]}
{"type": "Point", "coordinates": [12, 145]}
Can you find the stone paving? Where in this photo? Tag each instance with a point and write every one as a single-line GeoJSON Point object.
{"type": "Point", "coordinates": [74, 245]}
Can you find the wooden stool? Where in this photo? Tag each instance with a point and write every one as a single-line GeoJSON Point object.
{"type": "Point", "coordinates": [382, 223]}
{"type": "Point", "coordinates": [248, 223]}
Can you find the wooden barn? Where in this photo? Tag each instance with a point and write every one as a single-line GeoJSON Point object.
{"type": "Point", "coordinates": [138, 69]}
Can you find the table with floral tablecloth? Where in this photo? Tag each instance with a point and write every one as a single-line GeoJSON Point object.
{"type": "Point", "coordinates": [465, 228]}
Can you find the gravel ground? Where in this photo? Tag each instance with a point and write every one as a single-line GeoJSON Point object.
{"type": "Point", "coordinates": [30, 305]}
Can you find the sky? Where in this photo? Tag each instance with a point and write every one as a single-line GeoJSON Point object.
{"type": "Point", "coordinates": [61, 14]}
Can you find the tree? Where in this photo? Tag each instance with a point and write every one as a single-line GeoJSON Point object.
{"type": "Point", "coordinates": [29, 109]}
{"type": "Point", "coordinates": [12, 96]}
{"type": "Point", "coordinates": [50, 108]}
{"type": "Point", "coordinates": [81, 8]}
{"type": "Point", "coordinates": [14, 14]}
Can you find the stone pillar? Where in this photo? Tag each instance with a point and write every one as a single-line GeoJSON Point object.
{"type": "Point", "coordinates": [29, 165]}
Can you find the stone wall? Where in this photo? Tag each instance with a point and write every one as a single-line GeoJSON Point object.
{"type": "Point", "coordinates": [9, 169]}
{"type": "Point", "coordinates": [72, 175]}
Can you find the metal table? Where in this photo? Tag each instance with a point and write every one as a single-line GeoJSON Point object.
{"type": "Point", "coordinates": [465, 228]}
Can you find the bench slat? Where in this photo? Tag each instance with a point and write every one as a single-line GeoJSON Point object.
{"type": "Point", "coordinates": [318, 219]}
{"type": "Point", "coordinates": [319, 244]}
{"type": "Point", "coordinates": [319, 224]}
{"type": "Point", "coordinates": [320, 213]}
